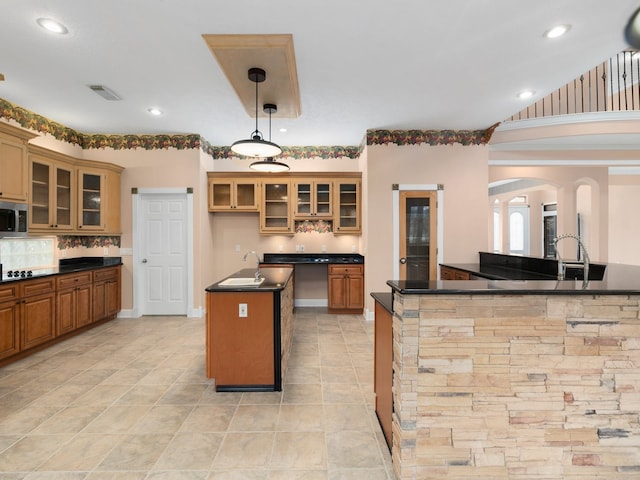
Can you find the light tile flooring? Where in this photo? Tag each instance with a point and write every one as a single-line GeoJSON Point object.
{"type": "Point", "coordinates": [129, 400]}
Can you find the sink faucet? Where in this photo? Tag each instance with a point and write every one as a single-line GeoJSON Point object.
{"type": "Point", "coordinates": [244, 259]}
{"type": "Point", "coordinates": [562, 265]}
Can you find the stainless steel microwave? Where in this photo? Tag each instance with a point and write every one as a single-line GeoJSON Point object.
{"type": "Point", "coordinates": [13, 219]}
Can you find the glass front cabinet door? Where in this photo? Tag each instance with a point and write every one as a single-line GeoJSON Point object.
{"type": "Point", "coordinates": [347, 200]}
{"type": "Point", "coordinates": [51, 190]}
{"type": "Point", "coordinates": [312, 199]}
{"type": "Point", "coordinates": [91, 199]}
{"type": "Point", "coordinates": [275, 214]}
{"type": "Point", "coordinates": [227, 195]}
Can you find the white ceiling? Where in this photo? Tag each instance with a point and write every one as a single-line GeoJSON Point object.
{"type": "Point", "coordinates": [403, 64]}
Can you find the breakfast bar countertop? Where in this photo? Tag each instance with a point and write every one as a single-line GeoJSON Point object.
{"type": "Point", "coordinates": [618, 280]}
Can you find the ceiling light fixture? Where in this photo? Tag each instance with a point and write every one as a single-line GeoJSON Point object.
{"type": "Point", "coordinates": [256, 146]}
{"type": "Point", "coordinates": [523, 95]}
{"type": "Point", "coordinates": [557, 31]}
{"type": "Point", "coordinates": [269, 164]}
{"type": "Point", "coordinates": [156, 112]}
{"type": "Point", "coordinates": [52, 26]}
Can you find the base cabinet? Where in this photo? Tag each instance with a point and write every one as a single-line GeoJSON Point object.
{"type": "Point", "coordinates": [74, 301]}
{"type": "Point", "coordinates": [383, 370]}
{"type": "Point", "coordinates": [346, 288]}
{"type": "Point", "coordinates": [9, 321]}
{"type": "Point", "coordinates": [106, 293]}
{"type": "Point", "coordinates": [450, 273]}
{"type": "Point", "coordinates": [36, 312]}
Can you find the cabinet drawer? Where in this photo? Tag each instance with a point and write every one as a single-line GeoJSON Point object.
{"type": "Point", "coordinates": [345, 270]}
{"type": "Point", "coordinates": [72, 280]}
{"type": "Point", "coordinates": [36, 287]}
{"type": "Point", "coordinates": [105, 274]}
{"type": "Point", "coordinates": [9, 292]}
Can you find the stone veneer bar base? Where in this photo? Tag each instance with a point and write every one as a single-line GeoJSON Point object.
{"type": "Point", "coordinates": [516, 386]}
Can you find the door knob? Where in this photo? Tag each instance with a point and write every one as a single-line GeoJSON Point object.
{"type": "Point", "coordinates": [403, 260]}
{"type": "Point", "coordinates": [144, 260]}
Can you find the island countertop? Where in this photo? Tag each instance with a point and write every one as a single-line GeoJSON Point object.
{"type": "Point", "coordinates": [274, 279]}
{"type": "Point", "coordinates": [618, 280]}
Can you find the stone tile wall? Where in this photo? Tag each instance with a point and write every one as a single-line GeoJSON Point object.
{"type": "Point", "coordinates": [516, 387]}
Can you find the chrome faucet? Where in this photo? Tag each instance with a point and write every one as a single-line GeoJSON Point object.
{"type": "Point", "coordinates": [244, 259]}
{"type": "Point", "coordinates": [562, 265]}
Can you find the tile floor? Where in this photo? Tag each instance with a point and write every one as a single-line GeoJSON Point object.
{"type": "Point", "coordinates": [129, 400]}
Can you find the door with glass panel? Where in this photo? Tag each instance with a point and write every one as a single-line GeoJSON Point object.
{"type": "Point", "coordinates": [418, 236]}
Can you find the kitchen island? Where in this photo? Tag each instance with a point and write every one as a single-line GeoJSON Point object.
{"type": "Point", "coordinates": [517, 379]}
{"type": "Point", "coordinates": [249, 330]}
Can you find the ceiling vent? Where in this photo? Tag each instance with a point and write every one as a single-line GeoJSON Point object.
{"type": "Point", "coordinates": [104, 92]}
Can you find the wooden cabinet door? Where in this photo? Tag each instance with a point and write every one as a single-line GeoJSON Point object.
{"type": "Point", "coordinates": [233, 195]}
{"type": "Point", "coordinates": [38, 320]}
{"type": "Point", "coordinates": [347, 212]}
{"type": "Point", "coordinates": [9, 328]}
{"type": "Point", "coordinates": [312, 199]}
{"type": "Point", "coordinates": [275, 211]}
{"type": "Point", "coordinates": [112, 298]}
{"type": "Point", "coordinates": [337, 291]}
{"type": "Point", "coordinates": [65, 311]}
{"type": "Point", "coordinates": [91, 201]}
{"type": "Point", "coordinates": [13, 171]}
{"type": "Point", "coordinates": [84, 296]}
{"type": "Point", "coordinates": [355, 292]}
{"type": "Point", "coordinates": [99, 301]}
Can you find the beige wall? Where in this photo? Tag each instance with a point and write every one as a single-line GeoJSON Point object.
{"type": "Point", "coordinates": [462, 170]}
{"type": "Point", "coordinates": [624, 227]}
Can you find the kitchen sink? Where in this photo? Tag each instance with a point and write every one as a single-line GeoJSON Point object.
{"type": "Point", "coordinates": [241, 282]}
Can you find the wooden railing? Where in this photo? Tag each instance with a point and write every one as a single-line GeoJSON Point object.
{"type": "Point", "coordinates": [614, 85]}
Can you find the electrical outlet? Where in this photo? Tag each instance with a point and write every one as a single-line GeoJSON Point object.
{"type": "Point", "coordinates": [324, 248]}
{"type": "Point", "coordinates": [238, 247]}
{"type": "Point", "coordinates": [302, 248]}
{"type": "Point", "coordinates": [105, 251]}
{"type": "Point", "coordinates": [242, 310]}
{"type": "Point", "coordinates": [353, 248]}
{"type": "Point", "coordinates": [281, 248]}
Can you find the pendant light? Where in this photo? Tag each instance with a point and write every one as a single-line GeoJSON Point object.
{"type": "Point", "coordinates": [269, 164]}
{"type": "Point", "coordinates": [256, 146]}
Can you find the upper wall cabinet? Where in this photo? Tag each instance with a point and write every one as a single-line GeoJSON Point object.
{"type": "Point", "coordinates": [52, 191]}
{"type": "Point", "coordinates": [99, 198]}
{"type": "Point", "coordinates": [348, 207]}
{"type": "Point", "coordinates": [233, 194]}
{"type": "Point", "coordinates": [312, 199]}
{"type": "Point", "coordinates": [275, 208]}
{"type": "Point", "coordinates": [14, 176]}
{"type": "Point", "coordinates": [334, 197]}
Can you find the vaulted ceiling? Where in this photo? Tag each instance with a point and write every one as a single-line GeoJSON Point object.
{"type": "Point", "coordinates": [407, 64]}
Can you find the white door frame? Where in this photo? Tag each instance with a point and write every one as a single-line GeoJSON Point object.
{"type": "Point", "coordinates": [137, 214]}
{"type": "Point", "coordinates": [396, 223]}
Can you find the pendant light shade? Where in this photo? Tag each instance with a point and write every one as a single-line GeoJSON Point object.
{"type": "Point", "coordinates": [269, 164]}
{"type": "Point", "coordinates": [256, 146]}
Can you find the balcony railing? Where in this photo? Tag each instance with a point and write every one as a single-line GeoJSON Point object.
{"type": "Point", "coordinates": [614, 85]}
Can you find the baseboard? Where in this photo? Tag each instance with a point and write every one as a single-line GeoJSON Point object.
{"type": "Point", "coordinates": [311, 302]}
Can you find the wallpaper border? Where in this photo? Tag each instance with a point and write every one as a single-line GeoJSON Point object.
{"type": "Point", "coordinates": [38, 123]}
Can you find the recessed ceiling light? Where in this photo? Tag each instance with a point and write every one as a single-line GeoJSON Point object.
{"type": "Point", "coordinates": [155, 111]}
{"type": "Point", "coordinates": [524, 94]}
{"type": "Point", "coordinates": [557, 31]}
{"type": "Point", "coordinates": [52, 26]}
{"type": "Point", "coordinates": [283, 130]}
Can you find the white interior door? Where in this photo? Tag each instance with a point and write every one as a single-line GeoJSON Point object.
{"type": "Point", "coordinates": [163, 254]}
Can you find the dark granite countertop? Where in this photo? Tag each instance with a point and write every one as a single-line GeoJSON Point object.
{"type": "Point", "coordinates": [67, 265]}
{"type": "Point", "coordinates": [312, 258]}
{"type": "Point", "coordinates": [385, 299]}
{"type": "Point", "coordinates": [618, 280]}
{"type": "Point", "coordinates": [274, 279]}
